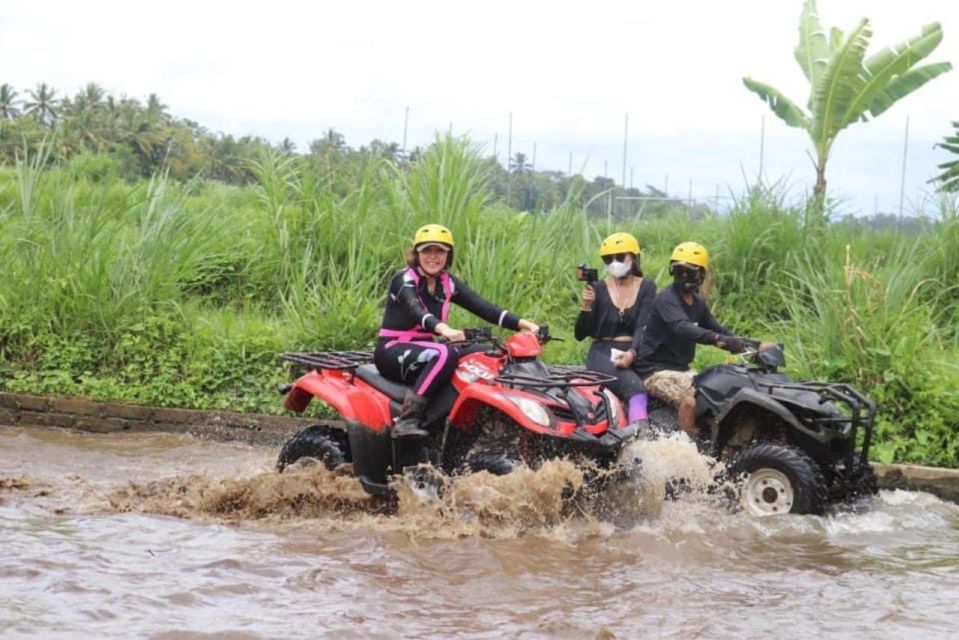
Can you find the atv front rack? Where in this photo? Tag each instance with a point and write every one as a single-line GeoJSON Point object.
{"type": "Point", "coordinates": [339, 360]}
{"type": "Point", "coordinates": [862, 409]}
{"type": "Point", "coordinates": [559, 376]}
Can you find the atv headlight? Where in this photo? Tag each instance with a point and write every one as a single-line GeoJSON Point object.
{"type": "Point", "coordinates": [533, 410]}
{"type": "Point", "coordinates": [613, 403]}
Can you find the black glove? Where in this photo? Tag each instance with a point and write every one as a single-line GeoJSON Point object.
{"type": "Point", "coordinates": [734, 344]}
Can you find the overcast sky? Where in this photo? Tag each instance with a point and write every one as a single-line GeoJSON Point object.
{"type": "Point", "coordinates": [568, 72]}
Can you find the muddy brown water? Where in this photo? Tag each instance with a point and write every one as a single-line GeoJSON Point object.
{"type": "Point", "coordinates": [166, 536]}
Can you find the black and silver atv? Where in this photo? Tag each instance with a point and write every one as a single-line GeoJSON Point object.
{"type": "Point", "coordinates": [795, 447]}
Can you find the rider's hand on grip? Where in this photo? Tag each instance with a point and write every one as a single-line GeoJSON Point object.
{"type": "Point", "coordinates": [527, 325]}
{"type": "Point", "coordinates": [733, 344]}
{"type": "Point", "coordinates": [449, 334]}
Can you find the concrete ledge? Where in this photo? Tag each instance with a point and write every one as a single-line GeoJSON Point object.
{"type": "Point", "coordinates": [935, 480]}
{"type": "Point", "coordinates": [108, 417]}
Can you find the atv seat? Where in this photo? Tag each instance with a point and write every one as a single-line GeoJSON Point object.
{"type": "Point", "coordinates": [369, 374]}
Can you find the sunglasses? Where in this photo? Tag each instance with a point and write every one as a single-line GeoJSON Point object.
{"type": "Point", "coordinates": [687, 271]}
{"type": "Point", "coordinates": [618, 257]}
{"type": "Point", "coordinates": [432, 248]}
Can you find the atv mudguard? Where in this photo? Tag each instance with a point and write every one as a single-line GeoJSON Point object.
{"type": "Point", "coordinates": [353, 400]}
{"type": "Point", "coordinates": [377, 456]}
{"type": "Point", "coordinates": [473, 397]}
{"type": "Point", "coordinates": [762, 401]}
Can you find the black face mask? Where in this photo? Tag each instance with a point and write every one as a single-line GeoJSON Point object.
{"type": "Point", "coordinates": [688, 279]}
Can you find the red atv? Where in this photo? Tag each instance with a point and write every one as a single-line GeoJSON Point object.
{"type": "Point", "coordinates": [503, 407]}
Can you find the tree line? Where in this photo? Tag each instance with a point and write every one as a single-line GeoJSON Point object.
{"type": "Point", "coordinates": [143, 138]}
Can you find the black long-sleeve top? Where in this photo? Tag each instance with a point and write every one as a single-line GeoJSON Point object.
{"type": "Point", "coordinates": [411, 307]}
{"type": "Point", "coordinates": [673, 330]}
{"type": "Point", "coordinates": [604, 319]}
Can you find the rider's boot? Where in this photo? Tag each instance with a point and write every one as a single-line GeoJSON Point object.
{"type": "Point", "coordinates": [410, 421]}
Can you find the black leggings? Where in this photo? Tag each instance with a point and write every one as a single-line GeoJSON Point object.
{"type": "Point", "coordinates": [425, 365]}
{"type": "Point", "coordinates": [628, 383]}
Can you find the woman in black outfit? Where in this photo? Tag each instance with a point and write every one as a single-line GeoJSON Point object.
{"type": "Point", "coordinates": [614, 313]}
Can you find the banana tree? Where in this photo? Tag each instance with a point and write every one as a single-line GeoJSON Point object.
{"type": "Point", "coordinates": [949, 178]}
{"type": "Point", "coordinates": [845, 85]}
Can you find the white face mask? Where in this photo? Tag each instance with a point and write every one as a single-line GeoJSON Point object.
{"type": "Point", "coordinates": [619, 269]}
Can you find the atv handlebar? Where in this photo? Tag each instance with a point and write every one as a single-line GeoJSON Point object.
{"type": "Point", "coordinates": [766, 359]}
{"type": "Point", "coordinates": [484, 335]}
{"type": "Point", "coordinates": [473, 335]}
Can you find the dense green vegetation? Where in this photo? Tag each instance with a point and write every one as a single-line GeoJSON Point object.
{"type": "Point", "coordinates": [181, 293]}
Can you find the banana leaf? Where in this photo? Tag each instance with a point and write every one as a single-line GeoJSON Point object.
{"type": "Point", "coordinates": [782, 106]}
{"type": "Point", "coordinates": [812, 52]}
{"type": "Point", "coordinates": [905, 84]}
{"type": "Point", "coordinates": [882, 67]}
{"type": "Point", "coordinates": [839, 85]}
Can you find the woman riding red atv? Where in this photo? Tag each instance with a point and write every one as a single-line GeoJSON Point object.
{"type": "Point", "coordinates": [417, 308]}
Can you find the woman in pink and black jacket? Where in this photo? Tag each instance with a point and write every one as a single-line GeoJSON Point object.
{"type": "Point", "coordinates": [417, 307]}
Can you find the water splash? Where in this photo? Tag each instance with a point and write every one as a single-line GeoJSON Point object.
{"type": "Point", "coordinates": [312, 493]}
{"type": "Point", "coordinates": [557, 499]}
{"type": "Point", "coordinates": [15, 484]}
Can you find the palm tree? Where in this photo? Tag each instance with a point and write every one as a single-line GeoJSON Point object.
{"type": "Point", "coordinates": [519, 165]}
{"type": "Point", "coordinates": [949, 178]}
{"type": "Point", "coordinates": [8, 102]}
{"type": "Point", "coordinates": [90, 97]}
{"type": "Point", "coordinates": [387, 150]}
{"type": "Point", "coordinates": [43, 105]}
{"type": "Point", "coordinates": [331, 141]}
{"type": "Point", "coordinates": [286, 146]}
{"type": "Point", "coordinates": [155, 108]}
{"type": "Point", "coordinates": [845, 86]}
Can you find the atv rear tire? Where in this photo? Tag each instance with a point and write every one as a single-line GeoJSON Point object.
{"type": "Point", "coordinates": [321, 442]}
{"type": "Point", "coordinates": [777, 479]}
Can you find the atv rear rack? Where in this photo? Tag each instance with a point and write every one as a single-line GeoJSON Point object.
{"type": "Point", "coordinates": [338, 360]}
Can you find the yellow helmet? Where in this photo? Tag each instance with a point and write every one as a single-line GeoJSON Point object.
{"type": "Point", "coordinates": [691, 253]}
{"type": "Point", "coordinates": [619, 243]}
{"type": "Point", "coordinates": [433, 233]}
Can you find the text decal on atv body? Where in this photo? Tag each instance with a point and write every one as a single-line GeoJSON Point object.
{"type": "Point", "coordinates": [471, 371]}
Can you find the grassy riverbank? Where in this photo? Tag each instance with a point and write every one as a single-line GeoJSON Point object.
{"type": "Point", "coordinates": [181, 294]}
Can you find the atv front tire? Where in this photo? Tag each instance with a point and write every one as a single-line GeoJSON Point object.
{"type": "Point", "coordinates": [498, 463]}
{"type": "Point", "coordinates": [321, 442]}
{"type": "Point", "coordinates": [778, 479]}
{"type": "Point", "coordinates": [861, 483]}
{"type": "Point", "coordinates": [425, 482]}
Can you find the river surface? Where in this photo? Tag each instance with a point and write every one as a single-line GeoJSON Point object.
{"type": "Point", "coordinates": [166, 536]}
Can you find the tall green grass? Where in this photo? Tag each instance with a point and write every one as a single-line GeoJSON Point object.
{"type": "Point", "coordinates": [182, 293]}
{"type": "Point", "coordinates": [871, 324]}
